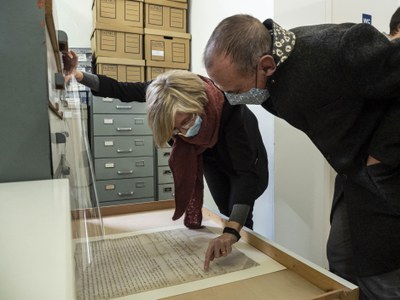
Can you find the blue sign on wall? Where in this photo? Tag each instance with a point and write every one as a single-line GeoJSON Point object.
{"type": "Point", "coordinates": [366, 18]}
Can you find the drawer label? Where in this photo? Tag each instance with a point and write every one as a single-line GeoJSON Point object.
{"type": "Point", "coordinates": [109, 165]}
{"type": "Point", "coordinates": [108, 121]}
{"type": "Point", "coordinates": [108, 143]}
{"type": "Point", "coordinates": [110, 187]}
{"type": "Point", "coordinates": [140, 163]}
{"type": "Point", "coordinates": [139, 142]}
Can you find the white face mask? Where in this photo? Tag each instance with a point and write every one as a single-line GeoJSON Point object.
{"type": "Point", "coordinates": [194, 129]}
{"type": "Point", "coordinates": [253, 96]}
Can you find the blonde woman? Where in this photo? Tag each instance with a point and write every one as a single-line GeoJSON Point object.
{"type": "Point", "coordinates": [208, 136]}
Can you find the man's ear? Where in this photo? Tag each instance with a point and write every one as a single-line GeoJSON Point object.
{"type": "Point", "coordinates": [267, 64]}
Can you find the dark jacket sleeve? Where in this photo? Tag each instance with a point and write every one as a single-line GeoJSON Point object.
{"type": "Point", "coordinates": [374, 67]}
{"type": "Point", "coordinates": [247, 154]}
{"type": "Point", "coordinates": [124, 91]}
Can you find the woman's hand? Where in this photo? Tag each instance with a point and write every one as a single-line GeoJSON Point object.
{"type": "Point", "coordinates": [219, 247]}
{"type": "Point", "coordinates": [70, 61]}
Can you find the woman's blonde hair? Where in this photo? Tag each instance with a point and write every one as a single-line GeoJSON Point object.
{"type": "Point", "coordinates": [171, 92]}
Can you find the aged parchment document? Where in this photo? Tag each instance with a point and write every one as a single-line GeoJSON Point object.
{"type": "Point", "coordinates": [139, 263]}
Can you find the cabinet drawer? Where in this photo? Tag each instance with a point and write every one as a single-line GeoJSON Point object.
{"type": "Point", "coordinates": [127, 167]}
{"type": "Point", "coordinates": [103, 105]}
{"type": "Point", "coordinates": [133, 124]}
{"type": "Point", "coordinates": [126, 201]}
{"type": "Point", "coordinates": [165, 175]}
{"type": "Point", "coordinates": [163, 156]}
{"type": "Point", "coordinates": [122, 146]}
{"type": "Point", "coordinates": [166, 191]}
{"type": "Point", "coordinates": [123, 189]}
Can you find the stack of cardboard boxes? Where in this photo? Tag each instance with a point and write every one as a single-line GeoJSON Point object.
{"type": "Point", "coordinates": [136, 40]}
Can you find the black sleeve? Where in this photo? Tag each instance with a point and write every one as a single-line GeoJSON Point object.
{"type": "Point", "coordinates": [124, 91]}
{"type": "Point", "coordinates": [249, 176]}
{"type": "Point", "coordinates": [373, 67]}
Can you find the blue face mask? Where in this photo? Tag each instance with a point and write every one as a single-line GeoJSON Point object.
{"type": "Point", "coordinates": [253, 96]}
{"type": "Point", "coordinates": [194, 129]}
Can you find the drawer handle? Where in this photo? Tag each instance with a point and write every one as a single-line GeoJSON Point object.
{"type": "Point", "coordinates": [124, 151]}
{"type": "Point", "coordinates": [124, 128]}
{"type": "Point", "coordinates": [123, 107]}
{"type": "Point", "coordinates": [125, 194]}
{"type": "Point", "coordinates": [166, 154]}
{"type": "Point", "coordinates": [169, 189]}
{"type": "Point", "coordinates": [125, 172]}
{"type": "Point", "coordinates": [167, 172]}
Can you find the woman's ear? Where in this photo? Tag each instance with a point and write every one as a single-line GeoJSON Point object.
{"type": "Point", "coordinates": [267, 65]}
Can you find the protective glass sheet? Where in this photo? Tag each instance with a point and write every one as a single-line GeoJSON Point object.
{"type": "Point", "coordinates": [74, 162]}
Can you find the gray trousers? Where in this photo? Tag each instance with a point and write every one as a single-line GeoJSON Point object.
{"type": "Point", "coordinates": [341, 262]}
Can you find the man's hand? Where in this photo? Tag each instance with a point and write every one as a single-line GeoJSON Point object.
{"type": "Point", "coordinates": [219, 247]}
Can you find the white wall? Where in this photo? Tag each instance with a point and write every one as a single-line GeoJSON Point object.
{"type": "Point", "coordinates": [75, 18]}
{"type": "Point", "coordinates": [381, 12]}
{"type": "Point", "coordinates": [302, 177]}
{"type": "Point", "coordinates": [203, 18]}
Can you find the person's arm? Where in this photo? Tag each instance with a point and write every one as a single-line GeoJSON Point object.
{"type": "Point", "coordinates": [221, 246]}
{"type": "Point", "coordinates": [242, 138]}
{"type": "Point", "coordinates": [125, 91]}
{"type": "Point", "coordinates": [102, 85]}
{"type": "Point", "coordinates": [87, 79]}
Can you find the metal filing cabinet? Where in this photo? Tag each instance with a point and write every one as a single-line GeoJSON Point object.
{"type": "Point", "coordinates": [30, 60]}
{"type": "Point", "coordinates": [165, 182]}
{"type": "Point", "coordinates": [123, 152]}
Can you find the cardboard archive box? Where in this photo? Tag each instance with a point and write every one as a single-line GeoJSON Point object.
{"type": "Point", "coordinates": [165, 15]}
{"type": "Point", "coordinates": [121, 69]}
{"type": "Point", "coordinates": [167, 49]}
{"type": "Point", "coordinates": [117, 41]}
{"type": "Point", "coordinates": [153, 72]}
{"type": "Point", "coordinates": [118, 12]}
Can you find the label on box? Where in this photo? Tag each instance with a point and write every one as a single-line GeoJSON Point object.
{"type": "Point", "coordinates": [157, 53]}
{"type": "Point", "coordinates": [81, 56]}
